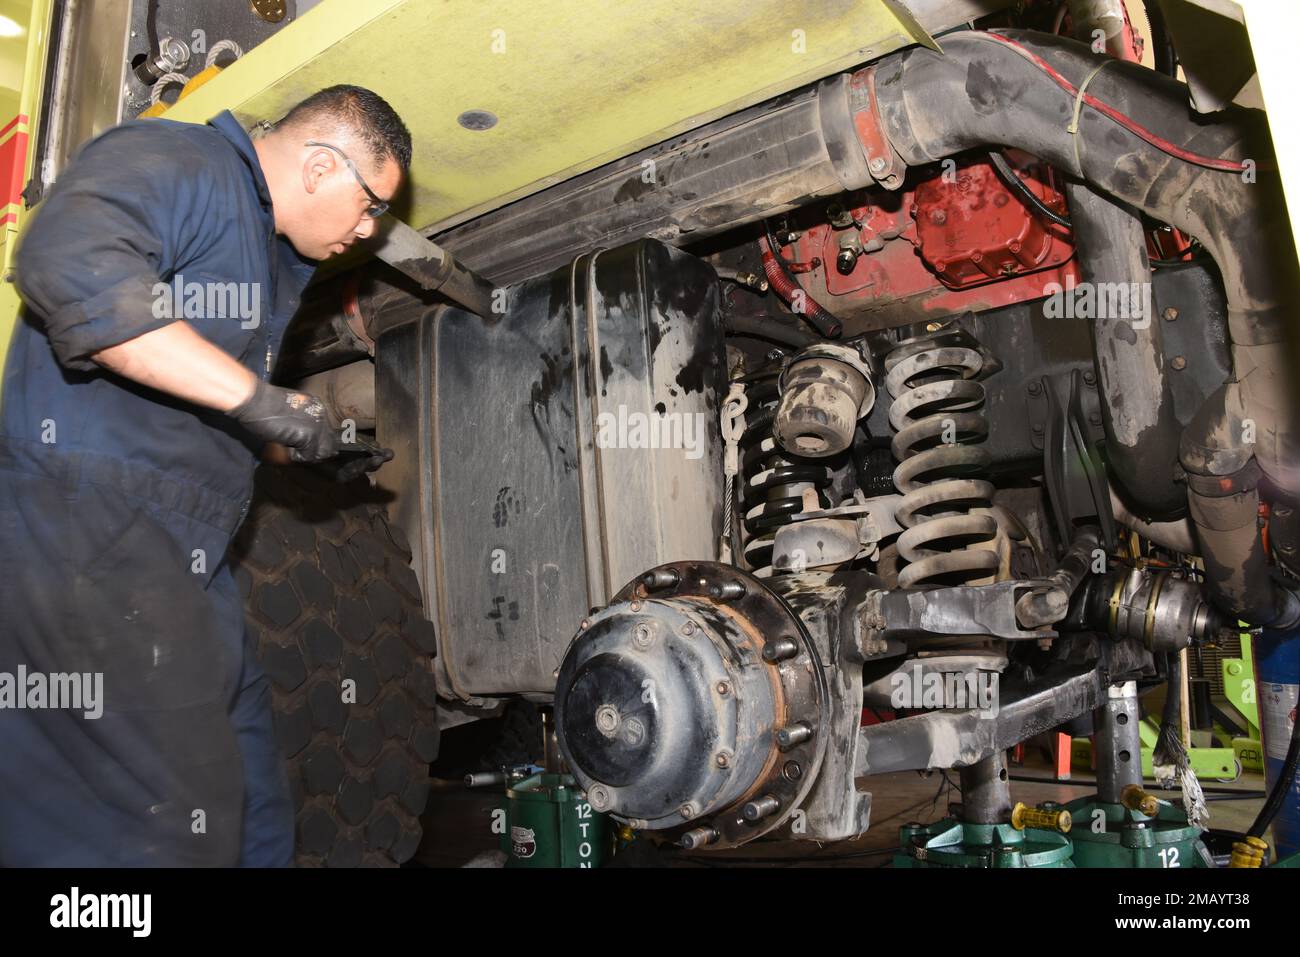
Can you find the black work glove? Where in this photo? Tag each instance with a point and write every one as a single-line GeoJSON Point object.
{"type": "Point", "coordinates": [355, 459]}
{"type": "Point", "coordinates": [296, 420]}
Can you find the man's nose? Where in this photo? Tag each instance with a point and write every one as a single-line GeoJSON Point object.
{"type": "Point", "coordinates": [366, 228]}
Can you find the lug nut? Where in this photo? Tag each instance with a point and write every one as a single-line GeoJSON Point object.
{"type": "Point", "coordinates": [791, 735]}
{"type": "Point", "coordinates": [727, 591]}
{"type": "Point", "coordinates": [698, 837]}
{"type": "Point", "coordinates": [660, 578]}
{"type": "Point", "coordinates": [779, 649]}
{"type": "Point", "coordinates": [760, 808]}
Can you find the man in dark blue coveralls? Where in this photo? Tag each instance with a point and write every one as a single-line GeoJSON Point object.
{"type": "Point", "coordinates": [132, 420]}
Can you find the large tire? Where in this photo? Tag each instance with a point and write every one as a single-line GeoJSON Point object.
{"type": "Point", "coordinates": [330, 595]}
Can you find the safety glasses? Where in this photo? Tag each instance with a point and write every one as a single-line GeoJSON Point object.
{"type": "Point", "coordinates": [380, 206]}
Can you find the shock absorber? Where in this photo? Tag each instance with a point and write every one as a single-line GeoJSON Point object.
{"type": "Point", "coordinates": [775, 482]}
{"type": "Point", "coordinates": [938, 421]}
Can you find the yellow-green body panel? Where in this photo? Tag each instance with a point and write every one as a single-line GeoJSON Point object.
{"type": "Point", "coordinates": [573, 83]}
{"type": "Point", "coordinates": [22, 71]}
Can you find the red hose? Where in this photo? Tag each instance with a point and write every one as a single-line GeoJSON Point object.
{"type": "Point", "coordinates": [787, 289]}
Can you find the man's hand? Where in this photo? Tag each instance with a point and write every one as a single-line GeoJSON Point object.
{"type": "Point", "coordinates": [296, 420]}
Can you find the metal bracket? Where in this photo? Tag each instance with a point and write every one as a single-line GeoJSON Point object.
{"type": "Point", "coordinates": [980, 610]}
{"type": "Point", "coordinates": [886, 166]}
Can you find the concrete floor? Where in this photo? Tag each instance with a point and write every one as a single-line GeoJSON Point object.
{"type": "Point", "coordinates": [457, 823]}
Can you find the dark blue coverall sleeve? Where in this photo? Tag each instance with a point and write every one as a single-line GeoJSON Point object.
{"type": "Point", "coordinates": [125, 214]}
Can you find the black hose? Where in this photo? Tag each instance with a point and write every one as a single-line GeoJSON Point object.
{"type": "Point", "coordinates": [1163, 54]}
{"type": "Point", "coordinates": [770, 328]}
{"type": "Point", "coordinates": [1280, 786]}
{"type": "Point", "coordinates": [151, 26]}
{"type": "Point", "coordinates": [1023, 191]}
{"type": "Point", "coordinates": [1165, 749]}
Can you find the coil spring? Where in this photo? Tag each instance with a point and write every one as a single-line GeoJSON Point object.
{"type": "Point", "coordinates": [774, 482]}
{"type": "Point", "coordinates": [938, 419]}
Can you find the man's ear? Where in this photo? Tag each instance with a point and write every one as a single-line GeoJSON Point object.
{"type": "Point", "coordinates": [319, 164]}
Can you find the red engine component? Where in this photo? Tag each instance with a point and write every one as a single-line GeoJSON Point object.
{"type": "Point", "coordinates": [971, 229]}
{"type": "Point", "coordinates": [956, 241]}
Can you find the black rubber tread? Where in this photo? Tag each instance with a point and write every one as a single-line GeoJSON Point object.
{"type": "Point", "coordinates": [330, 595]}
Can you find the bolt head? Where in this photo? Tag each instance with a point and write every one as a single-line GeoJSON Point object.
{"type": "Point", "coordinates": [723, 688]}
{"type": "Point", "coordinates": [1170, 314]}
{"type": "Point", "coordinates": [687, 811]}
{"type": "Point", "coordinates": [688, 629]}
{"type": "Point", "coordinates": [1179, 362]}
{"type": "Point", "coordinates": [877, 165]}
{"type": "Point", "coordinates": [722, 759]}
{"type": "Point", "coordinates": [607, 719]}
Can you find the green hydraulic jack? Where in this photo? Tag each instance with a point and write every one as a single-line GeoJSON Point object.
{"type": "Point", "coordinates": [546, 819]}
{"type": "Point", "coordinates": [1121, 825]}
{"type": "Point", "coordinates": [987, 831]}
{"type": "Point", "coordinates": [550, 823]}
{"type": "Point", "coordinates": [960, 844]}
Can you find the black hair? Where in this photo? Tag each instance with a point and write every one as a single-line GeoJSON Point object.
{"type": "Point", "coordinates": [362, 112]}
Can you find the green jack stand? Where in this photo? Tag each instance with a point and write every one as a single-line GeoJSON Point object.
{"type": "Point", "coordinates": [982, 834]}
{"type": "Point", "coordinates": [1122, 825]}
{"type": "Point", "coordinates": [960, 844]}
{"type": "Point", "coordinates": [549, 823]}
{"type": "Point", "coordinates": [1111, 835]}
